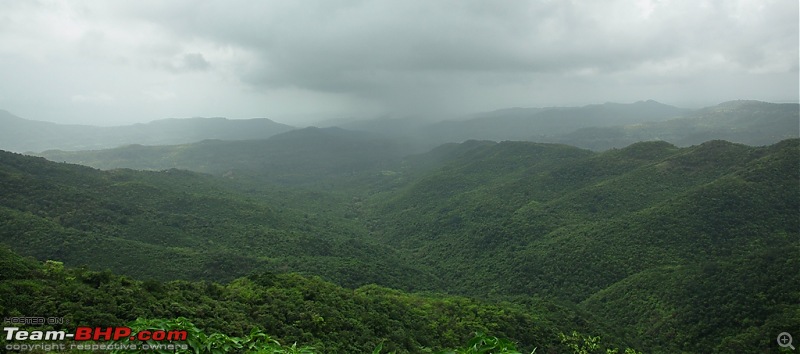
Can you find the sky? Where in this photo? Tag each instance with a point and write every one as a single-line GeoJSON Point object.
{"type": "Point", "coordinates": [108, 62]}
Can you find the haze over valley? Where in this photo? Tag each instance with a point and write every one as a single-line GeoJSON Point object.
{"type": "Point", "coordinates": [401, 176]}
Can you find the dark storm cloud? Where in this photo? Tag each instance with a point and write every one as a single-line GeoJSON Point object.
{"type": "Point", "coordinates": [383, 49]}
{"type": "Point", "coordinates": [417, 56]}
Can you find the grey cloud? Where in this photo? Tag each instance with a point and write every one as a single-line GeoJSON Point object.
{"type": "Point", "coordinates": [421, 55]}
{"type": "Point", "coordinates": [333, 40]}
{"type": "Point", "coordinates": [182, 63]}
{"type": "Point", "coordinates": [388, 49]}
{"type": "Point", "coordinates": [195, 61]}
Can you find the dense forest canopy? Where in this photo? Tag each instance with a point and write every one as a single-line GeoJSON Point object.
{"type": "Point", "coordinates": [638, 246]}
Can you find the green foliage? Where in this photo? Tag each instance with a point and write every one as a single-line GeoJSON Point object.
{"type": "Point", "coordinates": [310, 156]}
{"type": "Point", "coordinates": [255, 342]}
{"type": "Point", "coordinates": [291, 308]}
{"type": "Point", "coordinates": [484, 344]}
{"type": "Point", "coordinates": [259, 342]}
{"type": "Point", "coordinates": [583, 344]}
{"type": "Point", "coordinates": [639, 246]}
{"type": "Point", "coordinates": [181, 225]}
{"type": "Point", "coordinates": [578, 228]}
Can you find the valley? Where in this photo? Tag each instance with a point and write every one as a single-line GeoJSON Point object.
{"type": "Point", "coordinates": [343, 239]}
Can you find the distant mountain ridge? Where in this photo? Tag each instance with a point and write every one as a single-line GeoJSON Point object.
{"type": "Point", "coordinates": [744, 121]}
{"type": "Point", "coordinates": [294, 157]}
{"type": "Point", "coordinates": [521, 123]}
{"type": "Point", "coordinates": [609, 125]}
{"type": "Point", "coordinates": [23, 135]}
{"type": "Point", "coordinates": [596, 127]}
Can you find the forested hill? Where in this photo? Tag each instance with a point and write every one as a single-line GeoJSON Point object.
{"type": "Point", "coordinates": [177, 224]}
{"type": "Point", "coordinates": [303, 156]}
{"type": "Point", "coordinates": [717, 222]}
{"type": "Point", "coordinates": [662, 248]}
{"type": "Point", "coordinates": [298, 314]}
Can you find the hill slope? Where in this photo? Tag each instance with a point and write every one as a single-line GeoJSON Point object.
{"type": "Point", "coordinates": [303, 156]}
{"type": "Point", "coordinates": [648, 238]}
{"type": "Point", "coordinates": [197, 227]}
{"type": "Point", "coordinates": [600, 228]}
{"type": "Point", "coordinates": [292, 308]}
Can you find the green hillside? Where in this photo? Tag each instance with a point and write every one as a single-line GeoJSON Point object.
{"type": "Point", "coordinates": [653, 246]}
{"type": "Point", "coordinates": [291, 308]}
{"type": "Point", "coordinates": [562, 222]}
{"type": "Point", "coordinates": [194, 225]}
{"type": "Point", "coordinates": [301, 157]}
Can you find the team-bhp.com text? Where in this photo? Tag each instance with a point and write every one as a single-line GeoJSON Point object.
{"type": "Point", "coordinates": [95, 334]}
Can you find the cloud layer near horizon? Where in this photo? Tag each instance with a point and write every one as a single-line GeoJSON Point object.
{"type": "Point", "coordinates": [112, 62]}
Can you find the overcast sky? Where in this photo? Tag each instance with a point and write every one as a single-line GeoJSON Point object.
{"type": "Point", "coordinates": [113, 62]}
